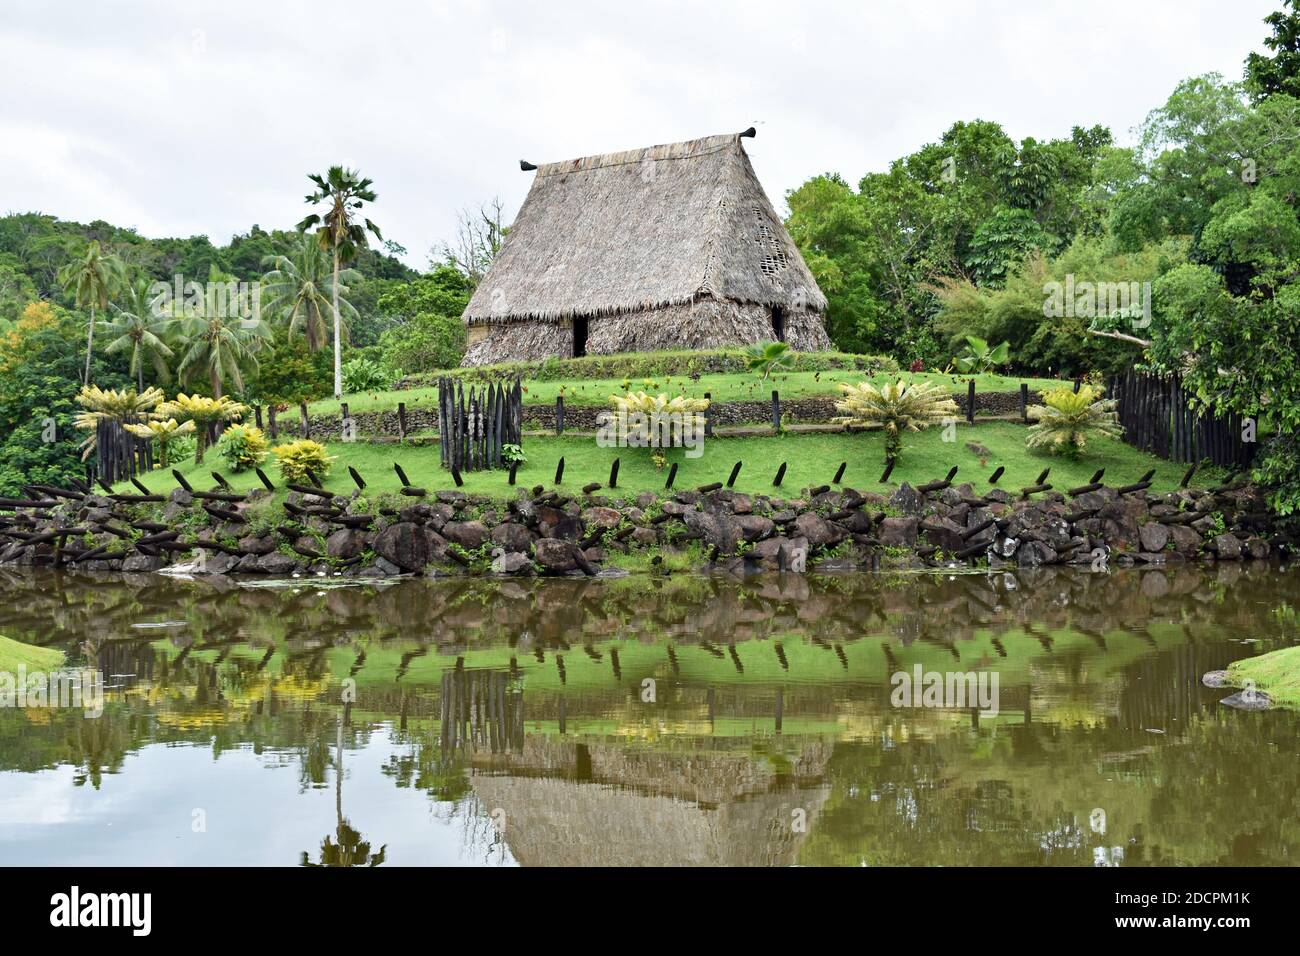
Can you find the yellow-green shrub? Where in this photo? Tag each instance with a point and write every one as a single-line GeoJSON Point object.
{"type": "Point", "coordinates": [242, 446]}
{"type": "Point", "coordinates": [296, 458]}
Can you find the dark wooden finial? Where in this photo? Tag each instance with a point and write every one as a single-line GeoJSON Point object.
{"type": "Point", "coordinates": [526, 166]}
{"type": "Point", "coordinates": [749, 133]}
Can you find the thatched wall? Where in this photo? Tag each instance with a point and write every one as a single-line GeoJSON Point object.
{"type": "Point", "coordinates": [707, 323]}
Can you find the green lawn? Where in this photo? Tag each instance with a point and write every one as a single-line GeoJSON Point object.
{"type": "Point", "coordinates": [14, 654]}
{"type": "Point", "coordinates": [732, 387]}
{"type": "Point", "coordinates": [1276, 674]}
{"type": "Point", "coordinates": [811, 460]}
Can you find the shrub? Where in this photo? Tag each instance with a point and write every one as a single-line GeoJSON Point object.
{"type": "Point", "coordinates": [296, 458]}
{"type": "Point", "coordinates": [425, 343]}
{"type": "Point", "coordinates": [367, 375]}
{"type": "Point", "coordinates": [769, 357]}
{"type": "Point", "coordinates": [242, 447]}
{"type": "Point", "coordinates": [1066, 419]}
{"type": "Point", "coordinates": [981, 357]}
{"type": "Point", "coordinates": [895, 409]}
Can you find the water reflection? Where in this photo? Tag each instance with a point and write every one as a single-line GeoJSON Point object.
{"type": "Point", "coordinates": [661, 720]}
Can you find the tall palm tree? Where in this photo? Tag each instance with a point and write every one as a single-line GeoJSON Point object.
{"type": "Point", "coordinates": [217, 343]}
{"type": "Point", "coordinates": [138, 325]}
{"type": "Point", "coordinates": [299, 290]}
{"type": "Point", "coordinates": [93, 279]}
{"type": "Point", "coordinates": [344, 193]}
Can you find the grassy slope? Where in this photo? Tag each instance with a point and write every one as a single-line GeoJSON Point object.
{"type": "Point", "coordinates": [14, 655]}
{"type": "Point", "coordinates": [736, 387]}
{"type": "Point", "coordinates": [1276, 674]}
{"type": "Point", "coordinates": [812, 460]}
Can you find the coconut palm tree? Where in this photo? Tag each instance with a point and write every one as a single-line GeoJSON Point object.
{"type": "Point", "coordinates": [337, 232]}
{"type": "Point", "coordinates": [299, 290]}
{"type": "Point", "coordinates": [92, 279]}
{"type": "Point", "coordinates": [137, 325]}
{"type": "Point", "coordinates": [217, 344]}
{"type": "Point", "coordinates": [895, 409]}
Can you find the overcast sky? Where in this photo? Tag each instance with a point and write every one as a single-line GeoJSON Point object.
{"type": "Point", "coordinates": [204, 118]}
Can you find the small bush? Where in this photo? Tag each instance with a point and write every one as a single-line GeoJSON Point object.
{"type": "Point", "coordinates": [295, 459]}
{"type": "Point", "coordinates": [367, 375]}
{"type": "Point", "coordinates": [242, 447]}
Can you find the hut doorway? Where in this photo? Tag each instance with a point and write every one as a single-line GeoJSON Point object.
{"type": "Point", "coordinates": [778, 323]}
{"type": "Point", "coordinates": [579, 336]}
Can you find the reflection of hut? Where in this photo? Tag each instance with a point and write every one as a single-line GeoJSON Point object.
{"type": "Point", "coordinates": [574, 804]}
{"type": "Point", "coordinates": [666, 247]}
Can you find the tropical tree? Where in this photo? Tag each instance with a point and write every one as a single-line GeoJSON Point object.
{"type": "Point", "coordinates": [345, 193]}
{"type": "Point", "coordinates": [204, 412]}
{"type": "Point", "coordinates": [770, 357]}
{"type": "Point", "coordinates": [1066, 420]}
{"type": "Point", "coordinates": [163, 434]}
{"type": "Point", "coordinates": [92, 280]}
{"type": "Point", "coordinates": [218, 342]}
{"type": "Point", "coordinates": [895, 409]}
{"type": "Point", "coordinates": [298, 290]}
{"type": "Point", "coordinates": [138, 326]}
{"type": "Point", "coordinates": [124, 406]}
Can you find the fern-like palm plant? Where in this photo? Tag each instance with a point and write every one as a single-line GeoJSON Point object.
{"type": "Point", "coordinates": [895, 409]}
{"type": "Point", "coordinates": [769, 358]}
{"type": "Point", "coordinates": [164, 434]}
{"type": "Point", "coordinates": [1066, 420]}
{"type": "Point", "coordinates": [204, 412]}
{"type": "Point", "coordinates": [120, 405]}
{"type": "Point", "coordinates": [654, 420]}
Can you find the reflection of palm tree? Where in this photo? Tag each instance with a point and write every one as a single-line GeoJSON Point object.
{"type": "Point", "coordinates": [350, 849]}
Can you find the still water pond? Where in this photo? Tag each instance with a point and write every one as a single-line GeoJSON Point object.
{"type": "Point", "coordinates": [683, 720]}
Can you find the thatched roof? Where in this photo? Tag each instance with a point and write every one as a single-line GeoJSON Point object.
{"type": "Point", "coordinates": [623, 232]}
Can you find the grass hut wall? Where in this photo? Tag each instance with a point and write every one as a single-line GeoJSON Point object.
{"type": "Point", "coordinates": [667, 247]}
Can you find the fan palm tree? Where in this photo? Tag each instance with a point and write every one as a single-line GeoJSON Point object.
{"type": "Point", "coordinates": [345, 193]}
{"type": "Point", "coordinates": [895, 409]}
{"type": "Point", "coordinates": [217, 344]}
{"type": "Point", "coordinates": [138, 326]}
{"type": "Point", "coordinates": [769, 357]}
{"type": "Point", "coordinates": [299, 290]}
{"type": "Point", "coordinates": [92, 280]}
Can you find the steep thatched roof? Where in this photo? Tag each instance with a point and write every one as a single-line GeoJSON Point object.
{"type": "Point", "coordinates": [623, 232]}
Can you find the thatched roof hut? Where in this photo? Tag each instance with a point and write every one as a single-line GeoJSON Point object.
{"type": "Point", "coordinates": [667, 247]}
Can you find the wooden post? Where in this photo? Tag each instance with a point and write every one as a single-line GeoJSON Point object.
{"type": "Point", "coordinates": [970, 403]}
{"type": "Point", "coordinates": [1024, 402]}
{"type": "Point", "coordinates": [270, 420]}
{"type": "Point", "coordinates": [559, 414]}
{"type": "Point", "coordinates": [776, 411]}
{"type": "Point", "coordinates": [401, 421]}
{"type": "Point", "coordinates": [257, 415]}
{"type": "Point", "coordinates": [305, 422]}
{"type": "Point", "coordinates": [708, 415]}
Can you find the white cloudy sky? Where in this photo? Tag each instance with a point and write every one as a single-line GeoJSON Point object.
{"type": "Point", "coordinates": [183, 118]}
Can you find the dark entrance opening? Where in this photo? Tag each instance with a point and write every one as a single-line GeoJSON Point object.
{"type": "Point", "coordinates": [778, 323]}
{"type": "Point", "coordinates": [579, 336]}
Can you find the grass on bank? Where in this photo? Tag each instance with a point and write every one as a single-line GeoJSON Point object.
{"type": "Point", "coordinates": [14, 654]}
{"type": "Point", "coordinates": [723, 387]}
{"type": "Point", "coordinates": [1276, 673]}
{"type": "Point", "coordinates": [811, 460]}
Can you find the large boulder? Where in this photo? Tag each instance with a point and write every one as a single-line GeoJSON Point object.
{"type": "Point", "coordinates": [602, 519]}
{"type": "Point", "coordinates": [819, 532]}
{"type": "Point", "coordinates": [718, 530]}
{"type": "Point", "coordinates": [277, 563]}
{"type": "Point", "coordinates": [512, 536]}
{"type": "Point", "coordinates": [470, 535]}
{"type": "Point", "coordinates": [554, 523]}
{"type": "Point", "coordinates": [754, 527]}
{"type": "Point", "coordinates": [1226, 547]}
{"type": "Point", "coordinates": [898, 532]}
{"type": "Point", "coordinates": [409, 546]}
{"type": "Point", "coordinates": [907, 500]}
{"type": "Point", "coordinates": [556, 555]}
{"type": "Point", "coordinates": [345, 543]}
{"type": "Point", "coordinates": [1154, 536]}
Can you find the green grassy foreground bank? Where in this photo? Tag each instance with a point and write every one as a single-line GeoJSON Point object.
{"type": "Point", "coordinates": [811, 460]}
{"type": "Point", "coordinates": [14, 655]}
{"type": "Point", "coordinates": [1277, 674]}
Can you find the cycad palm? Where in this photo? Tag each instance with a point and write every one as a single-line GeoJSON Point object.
{"type": "Point", "coordinates": [299, 289]}
{"type": "Point", "coordinates": [137, 326]}
{"type": "Point", "coordinates": [1066, 419]}
{"type": "Point", "coordinates": [344, 193]}
{"type": "Point", "coordinates": [92, 279]}
{"type": "Point", "coordinates": [895, 409]}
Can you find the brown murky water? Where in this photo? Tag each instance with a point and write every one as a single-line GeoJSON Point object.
{"type": "Point", "coordinates": [686, 720]}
